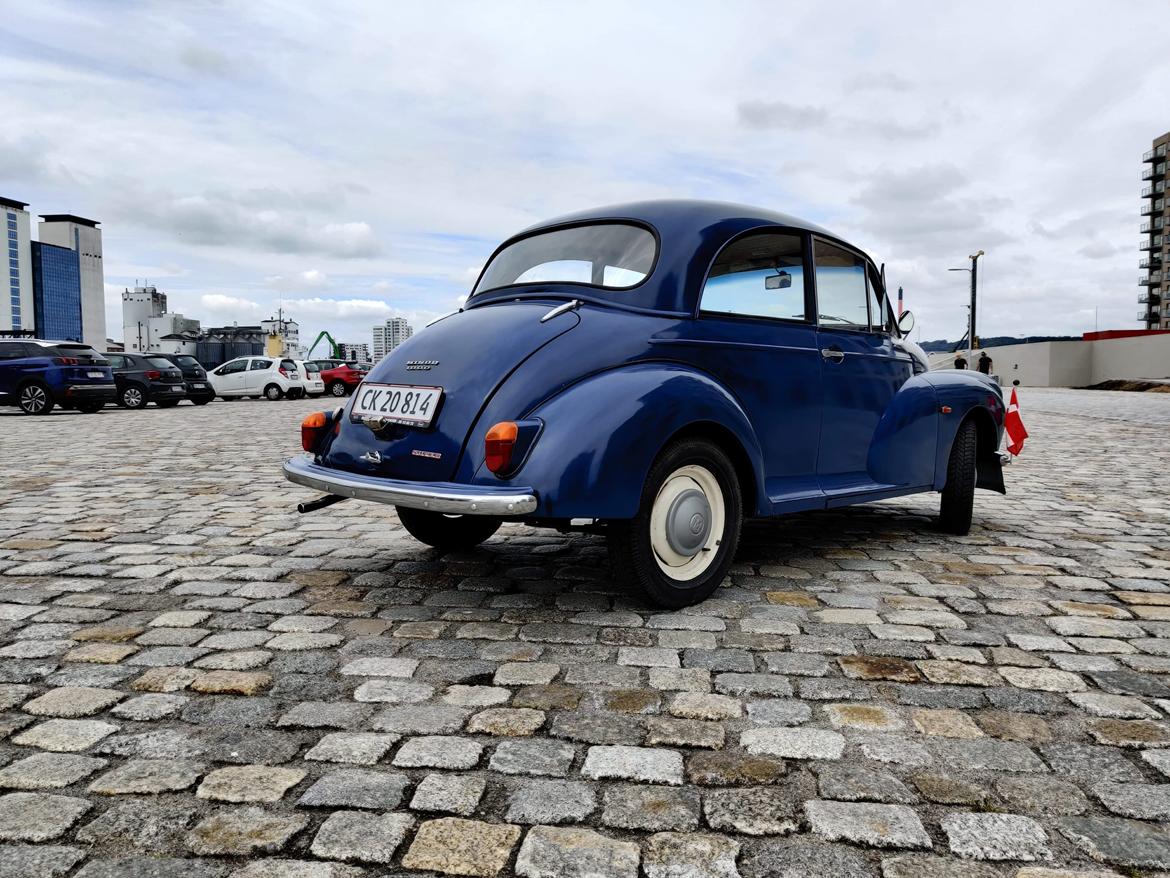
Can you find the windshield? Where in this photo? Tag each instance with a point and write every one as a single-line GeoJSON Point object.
{"type": "Point", "coordinates": [615, 256]}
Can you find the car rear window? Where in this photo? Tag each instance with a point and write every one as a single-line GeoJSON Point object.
{"type": "Point", "coordinates": [187, 361]}
{"type": "Point", "coordinates": [288, 364]}
{"type": "Point", "coordinates": [614, 256]}
{"type": "Point", "coordinates": [312, 367]}
{"type": "Point", "coordinates": [160, 362]}
{"type": "Point", "coordinates": [81, 352]}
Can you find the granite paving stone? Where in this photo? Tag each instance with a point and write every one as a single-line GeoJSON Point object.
{"type": "Point", "coordinates": [215, 686]}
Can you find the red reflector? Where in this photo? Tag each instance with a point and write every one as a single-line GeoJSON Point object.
{"type": "Point", "coordinates": [312, 429]}
{"type": "Point", "coordinates": [498, 445]}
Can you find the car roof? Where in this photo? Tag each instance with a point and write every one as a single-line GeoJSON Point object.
{"type": "Point", "coordinates": [690, 233]}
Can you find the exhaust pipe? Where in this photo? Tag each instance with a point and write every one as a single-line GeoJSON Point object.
{"type": "Point", "coordinates": [319, 503]}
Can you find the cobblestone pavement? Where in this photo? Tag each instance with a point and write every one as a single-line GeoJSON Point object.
{"type": "Point", "coordinates": [195, 681]}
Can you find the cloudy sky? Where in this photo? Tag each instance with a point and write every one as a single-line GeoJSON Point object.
{"type": "Point", "coordinates": [359, 160]}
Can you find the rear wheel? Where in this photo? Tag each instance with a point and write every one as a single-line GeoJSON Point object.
{"type": "Point", "coordinates": [447, 532]}
{"type": "Point", "coordinates": [337, 388]}
{"type": "Point", "coordinates": [35, 399]}
{"type": "Point", "coordinates": [682, 541]}
{"type": "Point", "coordinates": [958, 495]}
{"type": "Point", "coordinates": [88, 408]}
{"type": "Point", "coordinates": [133, 397]}
{"type": "Point", "coordinates": [273, 392]}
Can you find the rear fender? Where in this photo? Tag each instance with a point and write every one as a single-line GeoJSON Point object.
{"type": "Point", "coordinates": [601, 435]}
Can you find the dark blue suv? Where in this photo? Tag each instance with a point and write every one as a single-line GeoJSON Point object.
{"type": "Point", "coordinates": [38, 375]}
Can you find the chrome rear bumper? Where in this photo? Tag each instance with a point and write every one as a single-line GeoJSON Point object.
{"type": "Point", "coordinates": [445, 497]}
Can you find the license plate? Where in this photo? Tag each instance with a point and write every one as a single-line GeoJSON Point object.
{"type": "Point", "coordinates": [178, 387]}
{"type": "Point", "coordinates": [397, 403]}
{"type": "Point", "coordinates": [94, 375]}
{"type": "Point", "coordinates": [198, 386]}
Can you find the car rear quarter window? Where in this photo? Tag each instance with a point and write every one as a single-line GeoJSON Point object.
{"type": "Point", "coordinates": [760, 275]}
{"type": "Point", "coordinates": [12, 350]}
{"type": "Point", "coordinates": [842, 298]}
{"type": "Point", "coordinates": [260, 365]}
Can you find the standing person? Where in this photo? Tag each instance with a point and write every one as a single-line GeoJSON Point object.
{"type": "Point", "coordinates": [984, 364]}
{"type": "Point", "coordinates": [960, 361]}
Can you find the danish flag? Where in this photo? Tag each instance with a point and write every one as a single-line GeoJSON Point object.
{"type": "Point", "coordinates": [1013, 425]}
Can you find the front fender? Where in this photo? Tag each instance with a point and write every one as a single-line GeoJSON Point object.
{"type": "Point", "coordinates": [969, 395]}
{"type": "Point", "coordinates": [601, 435]}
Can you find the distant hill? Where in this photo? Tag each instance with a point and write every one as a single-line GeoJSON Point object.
{"type": "Point", "coordinates": [993, 341]}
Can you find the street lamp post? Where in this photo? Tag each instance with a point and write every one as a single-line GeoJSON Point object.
{"type": "Point", "coordinates": [974, 269]}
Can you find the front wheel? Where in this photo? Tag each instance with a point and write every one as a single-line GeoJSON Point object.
{"type": "Point", "coordinates": [958, 495]}
{"type": "Point", "coordinates": [450, 533]}
{"type": "Point", "coordinates": [35, 399]}
{"type": "Point", "coordinates": [682, 541]}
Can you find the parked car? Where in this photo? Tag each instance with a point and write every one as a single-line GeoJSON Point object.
{"type": "Point", "coordinates": [341, 378]}
{"type": "Point", "coordinates": [38, 375]}
{"type": "Point", "coordinates": [311, 378]}
{"type": "Point", "coordinates": [199, 389]}
{"type": "Point", "coordinates": [145, 378]}
{"type": "Point", "coordinates": [662, 371]}
{"type": "Point", "coordinates": [270, 377]}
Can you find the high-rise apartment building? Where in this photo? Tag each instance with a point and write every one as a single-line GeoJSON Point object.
{"type": "Point", "coordinates": [1155, 299]}
{"type": "Point", "coordinates": [83, 236]}
{"type": "Point", "coordinates": [16, 312]}
{"type": "Point", "coordinates": [56, 292]}
{"type": "Point", "coordinates": [390, 335]}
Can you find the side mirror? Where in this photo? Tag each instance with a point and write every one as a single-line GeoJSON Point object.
{"type": "Point", "coordinates": [781, 281]}
{"type": "Point", "coordinates": [906, 322]}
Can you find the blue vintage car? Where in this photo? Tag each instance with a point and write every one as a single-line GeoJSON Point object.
{"type": "Point", "coordinates": [659, 372]}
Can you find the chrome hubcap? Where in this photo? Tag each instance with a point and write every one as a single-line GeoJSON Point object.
{"type": "Point", "coordinates": [133, 397]}
{"type": "Point", "coordinates": [338, 390]}
{"type": "Point", "coordinates": [687, 522]}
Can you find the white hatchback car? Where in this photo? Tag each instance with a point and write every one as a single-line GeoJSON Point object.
{"type": "Point", "coordinates": [311, 378]}
{"type": "Point", "coordinates": [270, 377]}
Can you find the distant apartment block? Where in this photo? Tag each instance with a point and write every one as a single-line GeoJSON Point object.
{"type": "Point", "coordinates": [1155, 298]}
{"type": "Point", "coordinates": [390, 335]}
{"type": "Point", "coordinates": [359, 353]}
{"type": "Point", "coordinates": [85, 238]}
{"type": "Point", "coordinates": [16, 314]}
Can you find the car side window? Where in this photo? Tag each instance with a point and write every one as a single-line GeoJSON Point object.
{"type": "Point", "coordinates": [233, 366]}
{"type": "Point", "coordinates": [11, 350]}
{"type": "Point", "coordinates": [260, 365]}
{"type": "Point", "coordinates": [759, 275]}
{"type": "Point", "coordinates": [842, 296]}
{"type": "Point", "coordinates": [116, 362]}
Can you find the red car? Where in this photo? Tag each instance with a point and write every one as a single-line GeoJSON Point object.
{"type": "Point", "coordinates": [341, 378]}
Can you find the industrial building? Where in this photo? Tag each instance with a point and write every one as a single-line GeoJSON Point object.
{"type": "Point", "coordinates": [146, 325]}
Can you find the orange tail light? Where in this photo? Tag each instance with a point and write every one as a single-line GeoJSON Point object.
{"type": "Point", "coordinates": [312, 429]}
{"type": "Point", "coordinates": [498, 445]}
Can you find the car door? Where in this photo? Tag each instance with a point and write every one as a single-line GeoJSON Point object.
{"type": "Point", "coordinates": [12, 353]}
{"type": "Point", "coordinates": [229, 378]}
{"type": "Point", "coordinates": [756, 334]}
{"type": "Point", "coordinates": [861, 366]}
{"type": "Point", "coordinates": [257, 376]}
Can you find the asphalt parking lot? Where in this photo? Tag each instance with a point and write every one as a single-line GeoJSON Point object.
{"type": "Point", "coordinates": [196, 681]}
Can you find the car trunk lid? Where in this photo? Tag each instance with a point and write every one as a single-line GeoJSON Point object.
{"type": "Point", "coordinates": [468, 355]}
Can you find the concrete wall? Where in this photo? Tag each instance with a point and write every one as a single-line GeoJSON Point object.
{"type": "Point", "coordinates": [1076, 363]}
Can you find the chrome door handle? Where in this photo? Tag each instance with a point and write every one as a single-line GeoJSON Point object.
{"type": "Point", "coordinates": [833, 354]}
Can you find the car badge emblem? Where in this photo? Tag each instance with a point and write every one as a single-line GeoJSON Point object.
{"type": "Point", "coordinates": [420, 365]}
{"type": "Point", "coordinates": [372, 457]}
{"type": "Point", "coordinates": [433, 455]}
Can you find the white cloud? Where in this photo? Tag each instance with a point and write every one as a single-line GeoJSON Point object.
{"type": "Point", "coordinates": [304, 280]}
{"type": "Point", "coordinates": [221, 304]}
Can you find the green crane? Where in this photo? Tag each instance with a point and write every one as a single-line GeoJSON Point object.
{"type": "Point", "coordinates": [334, 347]}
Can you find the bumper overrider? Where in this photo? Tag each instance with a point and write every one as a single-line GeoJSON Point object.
{"type": "Point", "coordinates": [446, 497]}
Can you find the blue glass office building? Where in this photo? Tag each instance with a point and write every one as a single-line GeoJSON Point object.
{"type": "Point", "coordinates": [56, 292]}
